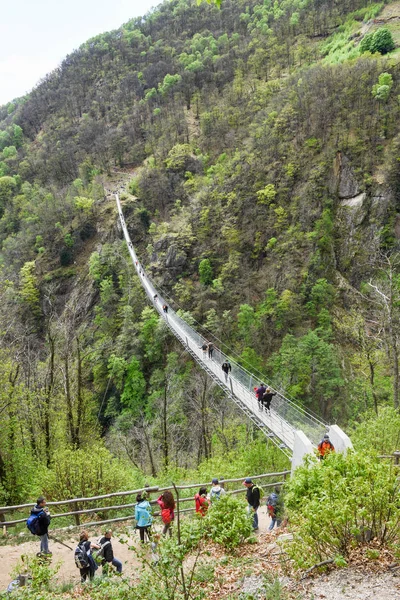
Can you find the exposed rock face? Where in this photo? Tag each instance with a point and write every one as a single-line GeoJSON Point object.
{"type": "Point", "coordinates": [355, 201]}
{"type": "Point", "coordinates": [358, 224]}
{"type": "Point", "coordinates": [167, 259]}
{"type": "Point", "coordinates": [175, 258]}
{"type": "Point", "coordinates": [346, 182]}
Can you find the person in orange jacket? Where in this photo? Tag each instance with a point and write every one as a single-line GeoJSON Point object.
{"type": "Point", "coordinates": [325, 447]}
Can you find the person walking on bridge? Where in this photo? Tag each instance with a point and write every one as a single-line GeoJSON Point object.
{"type": "Point", "coordinates": [204, 347]}
{"type": "Point", "coordinates": [210, 350]}
{"type": "Point", "coordinates": [260, 391]}
{"type": "Point", "coordinates": [227, 368]}
{"type": "Point", "coordinates": [267, 398]}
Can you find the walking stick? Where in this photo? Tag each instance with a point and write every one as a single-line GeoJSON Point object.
{"type": "Point", "coordinates": [59, 542]}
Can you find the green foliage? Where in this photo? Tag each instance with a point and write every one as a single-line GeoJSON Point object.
{"type": "Point", "coordinates": [228, 522]}
{"type": "Point", "coordinates": [341, 502]}
{"type": "Point", "coordinates": [90, 471]}
{"type": "Point", "coordinates": [178, 157]}
{"type": "Point", "coordinates": [9, 152]}
{"type": "Point", "coordinates": [83, 204]}
{"type": "Point", "coordinates": [267, 194]}
{"type": "Point", "coordinates": [310, 369]}
{"type": "Point", "coordinates": [205, 271]}
{"type": "Point", "coordinates": [134, 389]}
{"type": "Point", "coordinates": [41, 574]}
{"type": "Point", "coordinates": [381, 90]}
{"type": "Point", "coordinates": [379, 433]}
{"type": "Point", "coordinates": [380, 41]}
{"type": "Point", "coordinates": [29, 290]}
{"type": "Point", "coordinates": [134, 186]}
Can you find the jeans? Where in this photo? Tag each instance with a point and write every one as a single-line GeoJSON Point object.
{"type": "Point", "coordinates": [118, 564]}
{"type": "Point", "coordinates": [255, 519]}
{"type": "Point", "coordinates": [167, 527]}
{"type": "Point", "coordinates": [251, 510]}
{"type": "Point", "coordinates": [273, 521]}
{"type": "Point", "coordinates": [44, 543]}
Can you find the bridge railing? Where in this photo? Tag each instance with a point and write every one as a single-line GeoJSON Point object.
{"type": "Point", "coordinates": [282, 408]}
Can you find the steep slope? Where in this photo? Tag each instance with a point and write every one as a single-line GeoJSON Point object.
{"type": "Point", "coordinates": [259, 149]}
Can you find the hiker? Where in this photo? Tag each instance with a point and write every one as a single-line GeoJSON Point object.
{"type": "Point", "coordinates": [202, 502]}
{"type": "Point", "coordinates": [108, 553]}
{"type": "Point", "coordinates": [165, 308]}
{"type": "Point", "coordinates": [227, 368]}
{"type": "Point", "coordinates": [38, 524]}
{"type": "Point", "coordinates": [325, 447]}
{"type": "Point", "coordinates": [155, 297]}
{"type": "Point", "coordinates": [83, 556]}
{"type": "Point", "coordinates": [216, 491]}
{"type": "Point", "coordinates": [210, 350]}
{"type": "Point", "coordinates": [275, 508]}
{"type": "Point", "coordinates": [253, 499]}
{"type": "Point", "coordinates": [260, 391]}
{"type": "Point", "coordinates": [166, 503]}
{"type": "Point", "coordinates": [266, 400]}
{"type": "Point", "coordinates": [204, 349]}
{"type": "Point", "coordinates": [143, 517]}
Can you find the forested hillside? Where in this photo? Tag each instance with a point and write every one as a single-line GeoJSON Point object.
{"type": "Point", "coordinates": [257, 152]}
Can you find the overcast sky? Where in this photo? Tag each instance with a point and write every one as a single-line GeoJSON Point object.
{"type": "Point", "coordinates": [35, 35]}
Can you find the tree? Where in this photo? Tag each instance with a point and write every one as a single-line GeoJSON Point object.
{"type": "Point", "coordinates": [381, 90]}
{"type": "Point", "coordinates": [382, 41]}
{"type": "Point", "coordinates": [205, 271]}
{"type": "Point", "coordinates": [386, 294]}
{"type": "Point", "coordinates": [29, 290]}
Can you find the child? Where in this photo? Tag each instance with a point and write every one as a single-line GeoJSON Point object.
{"type": "Point", "coordinates": [167, 504]}
{"type": "Point", "coordinates": [143, 517]}
{"type": "Point", "coordinates": [202, 502]}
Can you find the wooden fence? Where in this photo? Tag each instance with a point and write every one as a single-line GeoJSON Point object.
{"type": "Point", "coordinates": [279, 479]}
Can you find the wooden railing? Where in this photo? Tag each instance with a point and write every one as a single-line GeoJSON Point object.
{"type": "Point", "coordinates": [279, 479]}
{"type": "Point", "coordinates": [395, 456]}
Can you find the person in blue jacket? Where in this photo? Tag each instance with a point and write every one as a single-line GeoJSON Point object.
{"type": "Point", "coordinates": [143, 517]}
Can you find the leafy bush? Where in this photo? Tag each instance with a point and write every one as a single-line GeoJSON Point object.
{"type": "Point", "coordinates": [205, 272]}
{"type": "Point", "coordinates": [228, 522]}
{"type": "Point", "coordinates": [381, 41]}
{"type": "Point", "coordinates": [339, 503]}
{"type": "Point", "coordinates": [380, 433]}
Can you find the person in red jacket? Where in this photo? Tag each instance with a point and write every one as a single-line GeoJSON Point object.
{"type": "Point", "coordinates": [167, 505]}
{"type": "Point", "coordinates": [325, 447]}
{"type": "Point", "coordinates": [202, 502]}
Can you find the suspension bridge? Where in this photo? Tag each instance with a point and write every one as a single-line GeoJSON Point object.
{"type": "Point", "coordinates": [289, 426]}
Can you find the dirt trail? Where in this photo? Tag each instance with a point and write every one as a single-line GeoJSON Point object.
{"type": "Point", "coordinates": [10, 556]}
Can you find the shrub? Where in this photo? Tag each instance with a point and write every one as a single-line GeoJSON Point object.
{"type": "Point", "coordinates": [205, 272]}
{"type": "Point", "coordinates": [228, 523]}
{"type": "Point", "coordinates": [339, 503]}
{"type": "Point", "coordinates": [381, 41]}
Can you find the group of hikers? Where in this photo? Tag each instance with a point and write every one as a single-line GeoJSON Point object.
{"type": "Point", "coordinates": [89, 555]}
{"type": "Point", "coordinates": [264, 396]}
{"type": "Point", "coordinates": [208, 349]}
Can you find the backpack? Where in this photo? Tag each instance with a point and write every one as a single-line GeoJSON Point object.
{"type": "Point", "coordinates": [215, 495]}
{"type": "Point", "coordinates": [166, 516]}
{"type": "Point", "coordinates": [272, 503]}
{"type": "Point", "coordinates": [98, 555]}
{"type": "Point", "coordinates": [33, 523]}
{"type": "Point", "coordinates": [81, 557]}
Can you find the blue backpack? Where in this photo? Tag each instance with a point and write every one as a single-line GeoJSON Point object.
{"type": "Point", "coordinates": [33, 523]}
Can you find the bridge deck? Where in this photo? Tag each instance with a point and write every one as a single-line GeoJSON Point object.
{"type": "Point", "coordinates": [285, 416]}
